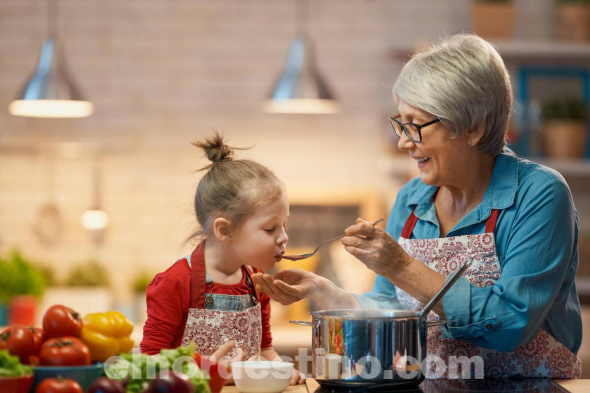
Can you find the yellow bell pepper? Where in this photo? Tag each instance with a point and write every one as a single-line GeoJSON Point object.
{"type": "Point", "coordinates": [107, 334]}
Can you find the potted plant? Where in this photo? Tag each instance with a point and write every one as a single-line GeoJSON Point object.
{"type": "Point", "coordinates": [565, 128]}
{"type": "Point", "coordinates": [493, 19]}
{"type": "Point", "coordinates": [573, 20]}
{"type": "Point", "coordinates": [21, 286]}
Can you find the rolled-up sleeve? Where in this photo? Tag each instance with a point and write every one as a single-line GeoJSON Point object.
{"type": "Point", "coordinates": [540, 250]}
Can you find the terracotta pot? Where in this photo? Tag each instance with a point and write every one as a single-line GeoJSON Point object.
{"type": "Point", "coordinates": [573, 22]}
{"type": "Point", "coordinates": [493, 20]}
{"type": "Point", "coordinates": [565, 139]}
{"type": "Point", "coordinates": [23, 310]}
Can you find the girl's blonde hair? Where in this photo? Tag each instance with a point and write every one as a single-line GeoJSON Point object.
{"type": "Point", "coordinates": [231, 188]}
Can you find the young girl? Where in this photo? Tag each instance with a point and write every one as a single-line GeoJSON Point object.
{"type": "Point", "coordinates": [208, 296]}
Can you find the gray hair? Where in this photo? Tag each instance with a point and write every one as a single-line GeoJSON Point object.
{"type": "Point", "coordinates": [465, 83]}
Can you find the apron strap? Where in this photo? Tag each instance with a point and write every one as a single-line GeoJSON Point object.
{"type": "Point", "coordinates": [412, 219]}
{"type": "Point", "coordinates": [491, 221]}
{"type": "Point", "coordinates": [198, 277]}
{"type": "Point", "coordinates": [251, 288]}
{"type": "Point", "coordinates": [409, 226]}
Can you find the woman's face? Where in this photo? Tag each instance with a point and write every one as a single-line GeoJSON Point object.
{"type": "Point", "coordinates": [261, 239]}
{"type": "Point", "coordinates": [439, 157]}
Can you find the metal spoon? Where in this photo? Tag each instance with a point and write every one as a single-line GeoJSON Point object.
{"type": "Point", "coordinates": [305, 256]}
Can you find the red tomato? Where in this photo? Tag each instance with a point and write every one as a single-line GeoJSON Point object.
{"type": "Point", "coordinates": [64, 351]}
{"type": "Point", "coordinates": [38, 337]}
{"type": "Point", "coordinates": [19, 341]}
{"type": "Point", "coordinates": [61, 321]}
{"type": "Point", "coordinates": [219, 374]}
{"type": "Point", "coordinates": [58, 385]}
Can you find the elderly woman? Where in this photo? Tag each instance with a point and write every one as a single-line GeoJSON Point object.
{"type": "Point", "coordinates": [516, 306]}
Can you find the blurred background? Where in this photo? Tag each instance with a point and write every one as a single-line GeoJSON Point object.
{"type": "Point", "coordinates": [92, 207]}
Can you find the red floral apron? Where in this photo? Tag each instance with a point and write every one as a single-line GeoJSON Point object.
{"type": "Point", "coordinates": [210, 328]}
{"type": "Point", "coordinates": [544, 356]}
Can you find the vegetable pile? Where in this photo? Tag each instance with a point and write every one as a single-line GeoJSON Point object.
{"type": "Point", "coordinates": [68, 340]}
{"type": "Point", "coordinates": [10, 366]}
{"type": "Point", "coordinates": [174, 370]}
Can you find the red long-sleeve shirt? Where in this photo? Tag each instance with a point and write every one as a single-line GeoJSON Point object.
{"type": "Point", "coordinates": [168, 299]}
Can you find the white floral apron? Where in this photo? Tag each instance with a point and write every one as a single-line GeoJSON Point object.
{"type": "Point", "coordinates": [209, 327]}
{"type": "Point", "coordinates": [544, 356]}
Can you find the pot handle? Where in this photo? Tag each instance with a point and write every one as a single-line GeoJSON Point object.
{"type": "Point", "coordinates": [456, 274]}
{"type": "Point", "coordinates": [429, 324]}
{"type": "Point", "coordinates": [304, 323]}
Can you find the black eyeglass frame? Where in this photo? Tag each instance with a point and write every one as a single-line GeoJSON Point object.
{"type": "Point", "coordinates": [419, 127]}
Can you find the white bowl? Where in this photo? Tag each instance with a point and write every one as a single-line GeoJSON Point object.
{"type": "Point", "coordinates": [262, 376]}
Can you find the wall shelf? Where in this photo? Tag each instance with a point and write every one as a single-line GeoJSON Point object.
{"type": "Point", "coordinates": [521, 50]}
{"type": "Point", "coordinates": [573, 168]}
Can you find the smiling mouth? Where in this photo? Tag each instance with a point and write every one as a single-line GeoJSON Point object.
{"type": "Point", "coordinates": [421, 160]}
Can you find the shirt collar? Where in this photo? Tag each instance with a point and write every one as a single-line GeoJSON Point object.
{"type": "Point", "coordinates": [500, 194]}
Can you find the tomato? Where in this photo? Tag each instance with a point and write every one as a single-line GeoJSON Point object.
{"type": "Point", "coordinates": [38, 337]}
{"type": "Point", "coordinates": [19, 341]}
{"type": "Point", "coordinates": [218, 373]}
{"type": "Point", "coordinates": [64, 351]}
{"type": "Point", "coordinates": [58, 385]}
{"type": "Point", "coordinates": [61, 321]}
{"type": "Point", "coordinates": [105, 385]}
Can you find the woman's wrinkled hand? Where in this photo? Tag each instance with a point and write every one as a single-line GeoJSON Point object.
{"type": "Point", "coordinates": [375, 248]}
{"type": "Point", "coordinates": [287, 286]}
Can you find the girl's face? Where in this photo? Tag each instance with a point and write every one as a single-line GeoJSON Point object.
{"type": "Point", "coordinates": [439, 157]}
{"type": "Point", "coordinates": [260, 240]}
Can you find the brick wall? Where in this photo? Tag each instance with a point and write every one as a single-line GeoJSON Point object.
{"type": "Point", "coordinates": [164, 72]}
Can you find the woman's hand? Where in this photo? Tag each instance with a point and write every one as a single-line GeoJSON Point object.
{"type": "Point", "coordinates": [375, 248]}
{"type": "Point", "coordinates": [287, 286]}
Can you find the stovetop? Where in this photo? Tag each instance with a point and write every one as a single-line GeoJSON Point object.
{"type": "Point", "coordinates": [457, 386]}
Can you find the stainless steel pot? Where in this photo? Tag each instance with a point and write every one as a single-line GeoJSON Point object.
{"type": "Point", "coordinates": [372, 347]}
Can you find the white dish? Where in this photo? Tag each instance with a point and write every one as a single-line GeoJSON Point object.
{"type": "Point", "coordinates": [262, 376]}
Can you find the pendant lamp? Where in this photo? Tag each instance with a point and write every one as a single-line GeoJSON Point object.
{"type": "Point", "coordinates": [301, 88]}
{"type": "Point", "coordinates": [95, 219]}
{"type": "Point", "coordinates": [51, 91]}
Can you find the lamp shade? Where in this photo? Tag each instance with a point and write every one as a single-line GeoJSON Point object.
{"type": "Point", "coordinates": [51, 92]}
{"type": "Point", "coordinates": [301, 88]}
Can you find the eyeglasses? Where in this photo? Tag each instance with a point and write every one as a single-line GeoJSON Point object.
{"type": "Point", "coordinates": [413, 131]}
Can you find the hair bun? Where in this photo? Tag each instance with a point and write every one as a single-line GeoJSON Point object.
{"type": "Point", "coordinates": [215, 149]}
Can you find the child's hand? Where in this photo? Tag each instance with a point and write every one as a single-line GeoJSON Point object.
{"type": "Point", "coordinates": [219, 355]}
{"type": "Point", "coordinates": [269, 354]}
{"type": "Point", "coordinates": [298, 378]}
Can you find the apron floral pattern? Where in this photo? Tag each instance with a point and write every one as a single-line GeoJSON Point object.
{"type": "Point", "coordinates": [210, 328]}
{"type": "Point", "coordinates": [544, 356]}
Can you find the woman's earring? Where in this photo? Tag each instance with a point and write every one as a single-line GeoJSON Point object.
{"type": "Point", "coordinates": [469, 142]}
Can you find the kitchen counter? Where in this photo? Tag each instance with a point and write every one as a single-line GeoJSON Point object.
{"type": "Point", "coordinates": [570, 385]}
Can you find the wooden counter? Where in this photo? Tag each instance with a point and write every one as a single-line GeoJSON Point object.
{"type": "Point", "coordinates": [572, 385]}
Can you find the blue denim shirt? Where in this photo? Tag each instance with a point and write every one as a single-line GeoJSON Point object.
{"type": "Point", "coordinates": [536, 242]}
